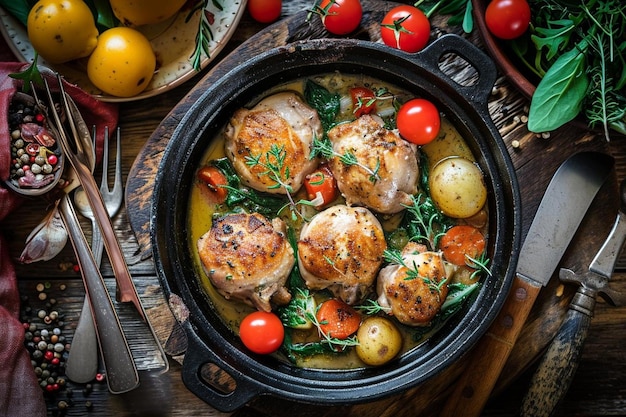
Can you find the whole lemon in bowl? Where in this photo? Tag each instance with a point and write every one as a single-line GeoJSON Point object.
{"type": "Point", "coordinates": [145, 12]}
{"type": "Point", "coordinates": [123, 62]}
{"type": "Point", "coordinates": [61, 30]}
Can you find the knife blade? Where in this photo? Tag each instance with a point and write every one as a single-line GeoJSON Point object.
{"type": "Point", "coordinates": [561, 210]}
{"type": "Point", "coordinates": [556, 370]}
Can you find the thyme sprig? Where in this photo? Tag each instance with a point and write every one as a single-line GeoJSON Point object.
{"type": "Point", "coordinates": [204, 34]}
{"type": "Point", "coordinates": [324, 148]}
{"type": "Point", "coordinates": [394, 256]}
{"type": "Point", "coordinates": [275, 167]}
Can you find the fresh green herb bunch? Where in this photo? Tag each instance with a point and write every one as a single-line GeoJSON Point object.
{"type": "Point", "coordinates": [577, 49]}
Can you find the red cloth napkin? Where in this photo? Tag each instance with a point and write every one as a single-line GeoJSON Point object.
{"type": "Point", "coordinates": [20, 393]}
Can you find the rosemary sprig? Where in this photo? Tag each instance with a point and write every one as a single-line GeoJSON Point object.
{"type": "Point", "coordinates": [333, 342]}
{"type": "Point", "coordinates": [372, 307]}
{"type": "Point", "coordinates": [204, 35]}
{"type": "Point", "coordinates": [394, 256]}
{"type": "Point", "coordinates": [427, 222]}
{"type": "Point", "coordinates": [480, 265]}
{"type": "Point", "coordinates": [324, 148]}
{"type": "Point", "coordinates": [380, 94]}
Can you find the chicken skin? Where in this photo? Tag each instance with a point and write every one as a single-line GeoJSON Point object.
{"type": "Point", "coordinates": [416, 290]}
{"type": "Point", "coordinates": [387, 171]}
{"type": "Point", "coordinates": [341, 249]}
{"type": "Point", "coordinates": [248, 258]}
{"type": "Point", "coordinates": [279, 124]}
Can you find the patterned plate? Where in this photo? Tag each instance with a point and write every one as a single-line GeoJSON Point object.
{"type": "Point", "coordinates": [173, 41]}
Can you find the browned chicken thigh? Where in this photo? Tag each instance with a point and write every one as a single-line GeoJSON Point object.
{"type": "Point", "coordinates": [341, 249]}
{"type": "Point", "coordinates": [416, 290]}
{"type": "Point", "coordinates": [248, 258]}
{"type": "Point", "coordinates": [283, 121]}
{"type": "Point", "coordinates": [387, 171]}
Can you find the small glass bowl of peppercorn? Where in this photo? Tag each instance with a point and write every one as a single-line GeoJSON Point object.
{"type": "Point", "coordinates": [36, 158]}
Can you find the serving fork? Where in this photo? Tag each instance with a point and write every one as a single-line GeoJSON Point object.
{"type": "Point", "coordinates": [122, 375]}
{"type": "Point", "coordinates": [82, 363]}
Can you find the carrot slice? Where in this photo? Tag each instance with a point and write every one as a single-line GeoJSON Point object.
{"type": "Point", "coordinates": [460, 242]}
{"type": "Point", "coordinates": [337, 319]}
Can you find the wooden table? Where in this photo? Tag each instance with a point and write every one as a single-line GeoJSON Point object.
{"type": "Point", "coordinates": [599, 387]}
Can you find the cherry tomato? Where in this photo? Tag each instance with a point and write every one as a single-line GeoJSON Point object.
{"type": "Point", "coordinates": [265, 11]}
{"type": "Point", "coordinates": [418, 121]}
{"type": "Point", "coordinates": [215, 181]}
{"type": "Point", "coordinates": [405, 27]}
{"type": "Point", "coordinates": [322, 181]}
{"type": "Point", "coordinates": [460, 242]}
{"type": "Point", "coordinates": [262, 332]}
{"type": "Point", "coordinates": [507, 19]}
{"type": "Point", "coordinates": [337, 319]}
{"type": "Point", "coordinates": [341, 17]}
{"type": "Point", "coordinates": [363, 101]}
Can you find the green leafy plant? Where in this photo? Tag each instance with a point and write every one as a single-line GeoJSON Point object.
{"type": "Point", "coordinates": [577, 51]}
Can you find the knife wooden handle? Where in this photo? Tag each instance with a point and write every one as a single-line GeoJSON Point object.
{"type": "Point", "coordinates": [486, 360]}
{"type": "Point", "coordinates": [558, 366]}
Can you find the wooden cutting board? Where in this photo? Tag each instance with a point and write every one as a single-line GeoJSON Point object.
{"type": "Point", "coordinates": [535, 160]}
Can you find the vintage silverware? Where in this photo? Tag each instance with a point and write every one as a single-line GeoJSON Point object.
{"type": "Point", "coordinates": [556, 370]}
{"type": "Point", "coordinates": [560, 212]}
{"type": "Point", "coordinates": [82, 362]}
{"type": "Point", "coordinates": [79, 160]}
{"type": "Point", "coordinates": [121, 371]}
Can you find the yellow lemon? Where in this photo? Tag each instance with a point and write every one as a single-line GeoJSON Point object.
{"type": "Point", "coordinates": [62, 30]}
{"type": "Point", "coordinates": [145, 12]}
{"type": "Point", "coordinates": [123, 62]}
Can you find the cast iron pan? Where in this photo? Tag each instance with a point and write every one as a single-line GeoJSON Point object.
{"type": "Point", "coordinates": [211, 342]}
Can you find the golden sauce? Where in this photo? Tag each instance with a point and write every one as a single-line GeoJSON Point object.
{"type": "Point", "coordinates": [448, 143]}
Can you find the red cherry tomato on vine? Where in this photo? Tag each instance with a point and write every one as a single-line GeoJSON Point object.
{"type": "Point", "coordinates": [418, 121]}
{"type": "Point", "coordinates": [507, 19]}
{"type": "Point", "coordinates": [262, 332]}
{"type": "Point", "coordinates": [341, 17]}
{"type": "Point", "coordinates": [363, 101]}
{"type": "Point", "coordinates": [405, 27]}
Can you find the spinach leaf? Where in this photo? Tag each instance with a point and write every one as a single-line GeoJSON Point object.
{"type": "Point", "coordinates": [326, 103]}
{"type": "Point", "coordinates": [559, 96]}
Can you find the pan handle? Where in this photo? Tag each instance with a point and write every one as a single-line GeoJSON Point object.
{"type": "Point", "coordinates": [199, 354]}
{"type": "Point", "coordinates": [477, 92]}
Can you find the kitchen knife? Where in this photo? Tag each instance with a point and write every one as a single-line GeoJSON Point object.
{"type": "Point", "coordinates": [562, 208]}
{"type": "Point", "coordinates": [557, 368]}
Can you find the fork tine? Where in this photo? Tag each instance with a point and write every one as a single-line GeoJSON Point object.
{"type": "Point", "coordinates": [117, 181]}
{"type": "Point", "coordinates": [104, 184]}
